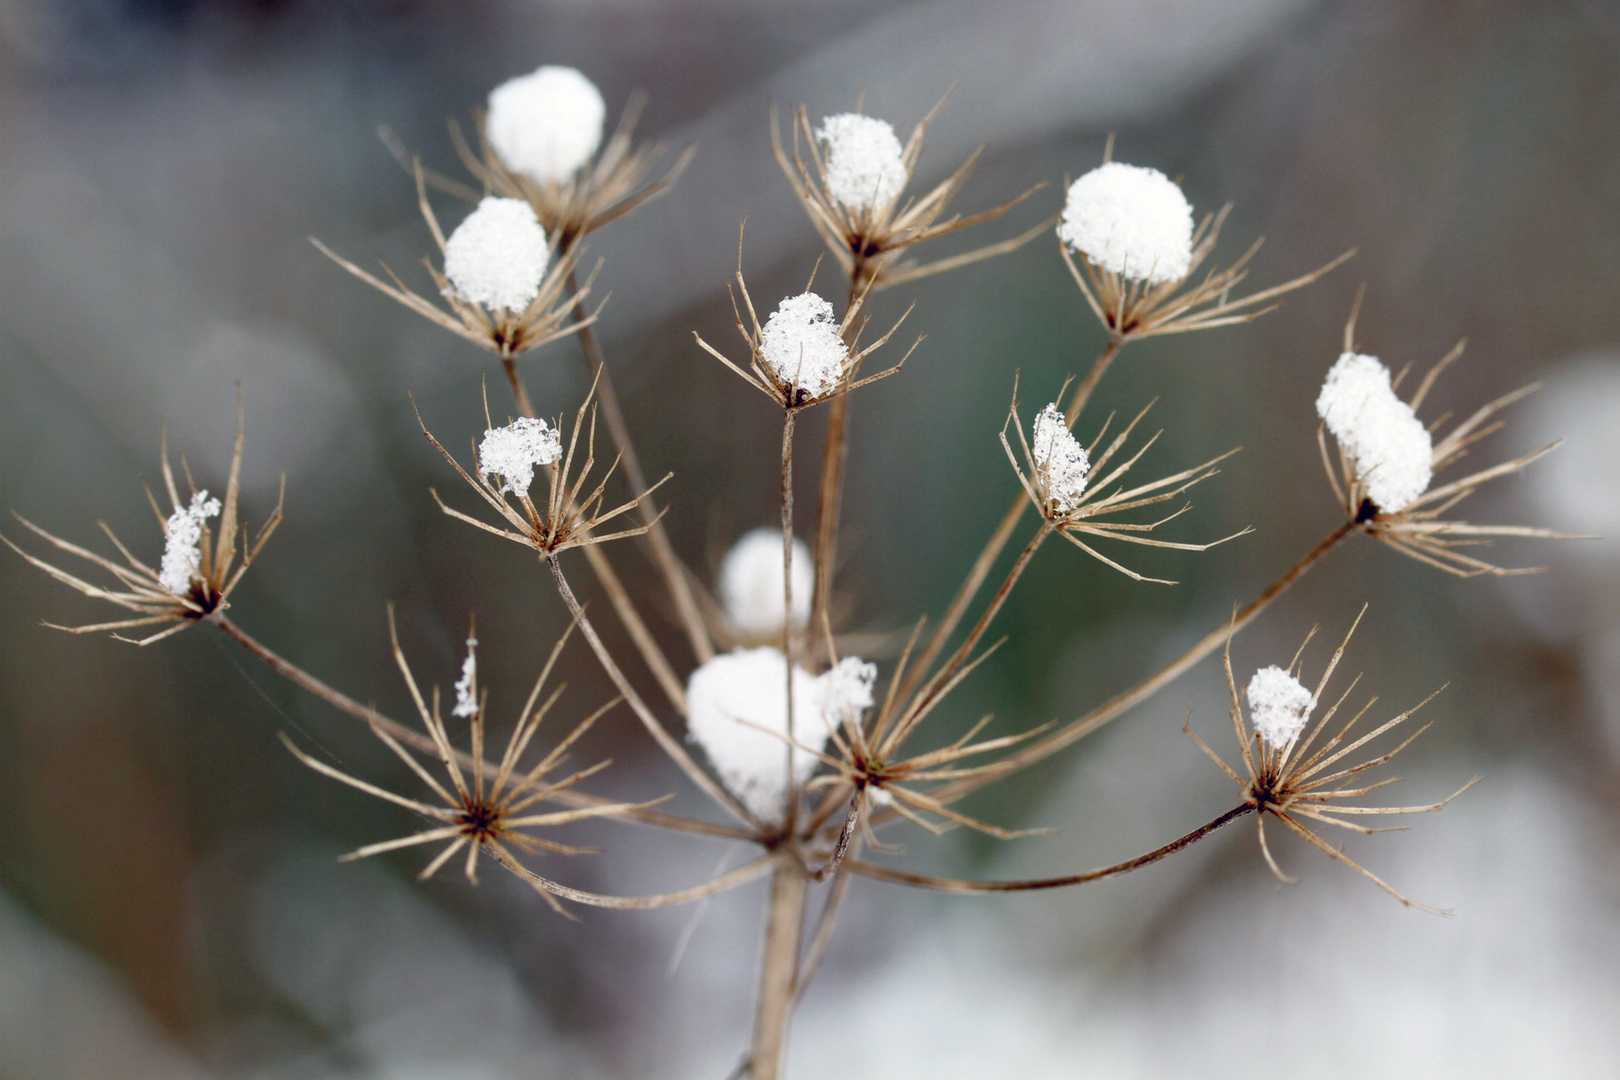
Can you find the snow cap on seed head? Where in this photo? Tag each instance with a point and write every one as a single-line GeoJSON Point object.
{"type": "Point", "coordinates": [1061, 464]}
{"type": "Point", "coordinates": [1391, 449]}
{"type": "Point", "coordinates": [1278, 705]}
{"type": "Point", "coordinates": [467, 685]}
{"type": "Point", "coordinates": [751, 583]}
{"type": "Point", "coordinates": [512, 452]}
{"type": "Point", "coordinates": [866, 166]}
{"type": "Point", "coordinates": [547, 123]}
{"type": "Point", "coordinates": [181, 557]}
{"type": "Point", "coordinates": [1131, 221]}
{"type": "Point", "coordinates": [497, 256]}
{"type": "Point", "coordinates": [802, 346]}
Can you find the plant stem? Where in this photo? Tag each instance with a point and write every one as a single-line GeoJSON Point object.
{"type": "Point", "coordinates": [789, 421]}
{"type": "Point", "coordinates": [1122, 702]}
{"type": "Point", "coordinates": [416, 739]}
{"type": "Point", "coordinates": [834, 457]}
{"type": "Point", "coordinates": [680, 589]}
{"type": "Point", "coordinates": [520, 393]}
{"type": "Point", "coordinates": [664, 739]}
{"type": "Point", "coordinates": [778, 969]}
{"type": "Point", "coordinates": [998, 540]}
{"type": "Point", "coordinates": [961, 885]}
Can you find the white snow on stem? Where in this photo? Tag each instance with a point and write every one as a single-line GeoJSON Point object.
{"type": "Point", "coordinates": [1391, 449]}
{"type": "Point", "coordinates": [801, 345]}
{"type": "Point", "coordinates": [546, 124]}
{"type": "Point", "coordinates": [1131, 221]}
{"type": "Point", "coordinates": [181, 556]}
{"type": "Point", "coordinates": [513, 451]}
{"type": "Point", "coordinates": [1278, 705]}
{"type": "Point", "coordinates": [1061, 465]}
{"type": "Point", "coordinates": [751, 583]}
{"type": "Point", "coordinates": [497, 256]}
{"type": "Point", "coordinates": [865, 164]}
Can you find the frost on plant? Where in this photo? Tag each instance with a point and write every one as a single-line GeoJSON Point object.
{"type": "Point", "coordinates": [847, 690]}
{"type": "Point", "coordinates": [750, 583]}
{"type": "Point", "coordinates": [546, 124]}
{"type": "Point", "coordinates": [1131, 221]}
{"type": "Point", "coordinates": [181, 557]}
{"type": "Point", "coordinates": [1278, 705]}
{"type": "Point", "coordinates": [802, 346]}
{"type": "Point", "coordinates": [1061, 464]}
{"type": "Point", "coordinates": [497, 257]}
{"type": "Point", "coordinates": [737, 711]}
{"type": "Point", "coordinates": [1389, 445]}
{"type": "Point", "coordinates": [467, 685]}
{"type": "Point", "coordinates": [512, 452]}
{"type": "Point", "coordinates": [866, 168]}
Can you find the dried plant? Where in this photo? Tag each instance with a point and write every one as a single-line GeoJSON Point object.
{"type": "Point", "coordinates": [790, 741]}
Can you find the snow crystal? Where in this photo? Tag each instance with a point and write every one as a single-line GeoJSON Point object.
{"type": "Point", "coordinates": [847, 690]}
{"type": "Point", "coordinates": [497, 256]}
{"type": "Point", "coordinates": [512, 452]}
{"type": "Point", "coordinates": [1131, 221]}
{"type": "Point", "coordinates": [1278, 705]}
{"type": "Point", "coordinates": [547, 123]}
{"type": "Point", "coordinates": [467, 685]}
{"type": "Point", "coordinates": [1061, 465]}
{"type": "Point", "coordinates": [801, 344]}
{"type": "Point", "coordinates": [749, 687]}
{"type": "Point", "coordinates": [751, 583]}
{"type": "Point", "coordinates": [865, 166]}
{"type": "Point", "coordinates": [1391, 449]}
{"type": "Point", "coordinates": [181, 557]}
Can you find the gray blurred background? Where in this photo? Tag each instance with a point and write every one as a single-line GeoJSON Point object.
{"type": "Point", "coordinates": [170, 904]}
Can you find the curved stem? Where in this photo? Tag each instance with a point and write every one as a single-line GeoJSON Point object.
{"type": "Point", "coordinates": [419, 741]}
{"type": "Point", "coordinates": [961, 885]}
{"type": "Point", "coordinates": [669, 565]}
{"type": "Point", "coordinates": [1122, 702]}
{"type": "Point", "coordinates": [998, 540]}
{"type": "Point", "coordinates": [664, 739]}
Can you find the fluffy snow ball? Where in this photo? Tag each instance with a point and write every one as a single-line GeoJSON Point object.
{"type": "Point", "coordinates": [182, 556]}
{"type": "Point", "coordinates": [1278, 705]}
{"type": "Point", "coordinates": [734, 703]}
{"type": "Point", "coordinates": [1392, 451]}
{"type": "Point", "coordinates": [751, 583]}
{"type": "Point", "coordinates": [1061, 464]}
{"type": "Point", "coordinates": [865, 162]}
{"type": "Point", "coordinates": [513, 451]}
{"type": "Point", "coordinates": [547, 123]}
{"type": "Point", "coordinates": [1130, 220]}
{"type": "Point", "coordinates": [801, 345]}
{"type": "Point", "coordinates": [497, 256]}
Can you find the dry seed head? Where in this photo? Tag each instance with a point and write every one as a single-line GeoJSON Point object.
{"type": "Point", "coordinates": [865, 166]}
{"type": "Point", "coordinates": [1391, 449]}
{"type": "Point", "coordinates": [802, 346]}
{"type": "Point", "coordinates": [512, 452]}
{"type": "Point", "coordinates": [1131, 221]}
{"type": "Point", "coordinates": [750, 584]}
{"type": "Point", "coordinates": [546, 124]}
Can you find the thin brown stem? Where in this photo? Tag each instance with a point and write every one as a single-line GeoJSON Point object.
{"type": "Point", "coordinates": [789, 421]}
{"type": "Point", "coordinates": [420, 741]}
{"type": "Point", "coordinates": [960, 885]}
{"type": "Point", "coordinates": [986, 561]}
{"type": "Point", "coordinates": [665, 740]}
{"type": "Point", "coordinates": [778, 969]}
{"type": "Point", "coordinates": [825, 926]}
{"type": "Point", "coordinates": [669, 565]}
{"type": "Point", "coordinates": [834, 457]}
{"type": "Point", "coordinates": [1120, 703]}
{"type": "Point", "coordinates": [520, 393]}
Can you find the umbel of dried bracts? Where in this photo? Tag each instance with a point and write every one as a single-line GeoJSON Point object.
{"type": "Point", "coordinates": [790, 738]}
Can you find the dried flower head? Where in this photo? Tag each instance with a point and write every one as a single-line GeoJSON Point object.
{"type": "Point", "coordinates": [570, 516]}
{"type": "Point", "coordinates": [852, 188]}
{"type": "Point", "coordinates": [1058, 474]}
{"type": "Point", "coordinates": [1132, 229]}
{"type": "Point", "coordinates": [1287, 780]}
{"type": "Point", "coordinates": [197, 572]}
{"type": "Point", "coordinates": [750, 584]}
{"type": "Point", "coordinates": [546, 124]}
{"type": "Point", "coordinates": [801, 357]}
{"type": "Point", "coordinates": [1387, 460]}
{"type": "Point", "coordinates": [737, 712]}
{"type": "Point", "coordinates": [501, 295]}
{"type": "Point", "coordinates": [488, 811]}
{"type": "Point", "coordinates": [497, 256]}
{"type": "Point", "coordinates": [1130, 221]}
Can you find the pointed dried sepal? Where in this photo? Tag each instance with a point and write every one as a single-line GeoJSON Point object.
{"type": "Point", "coordinates": [199, 568]}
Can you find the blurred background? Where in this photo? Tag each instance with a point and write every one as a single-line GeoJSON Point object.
{"type": "Point", "coordinates": [170, 903]}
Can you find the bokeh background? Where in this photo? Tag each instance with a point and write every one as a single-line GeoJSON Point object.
{"type": "Point", "coordinates": [170, 903]}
